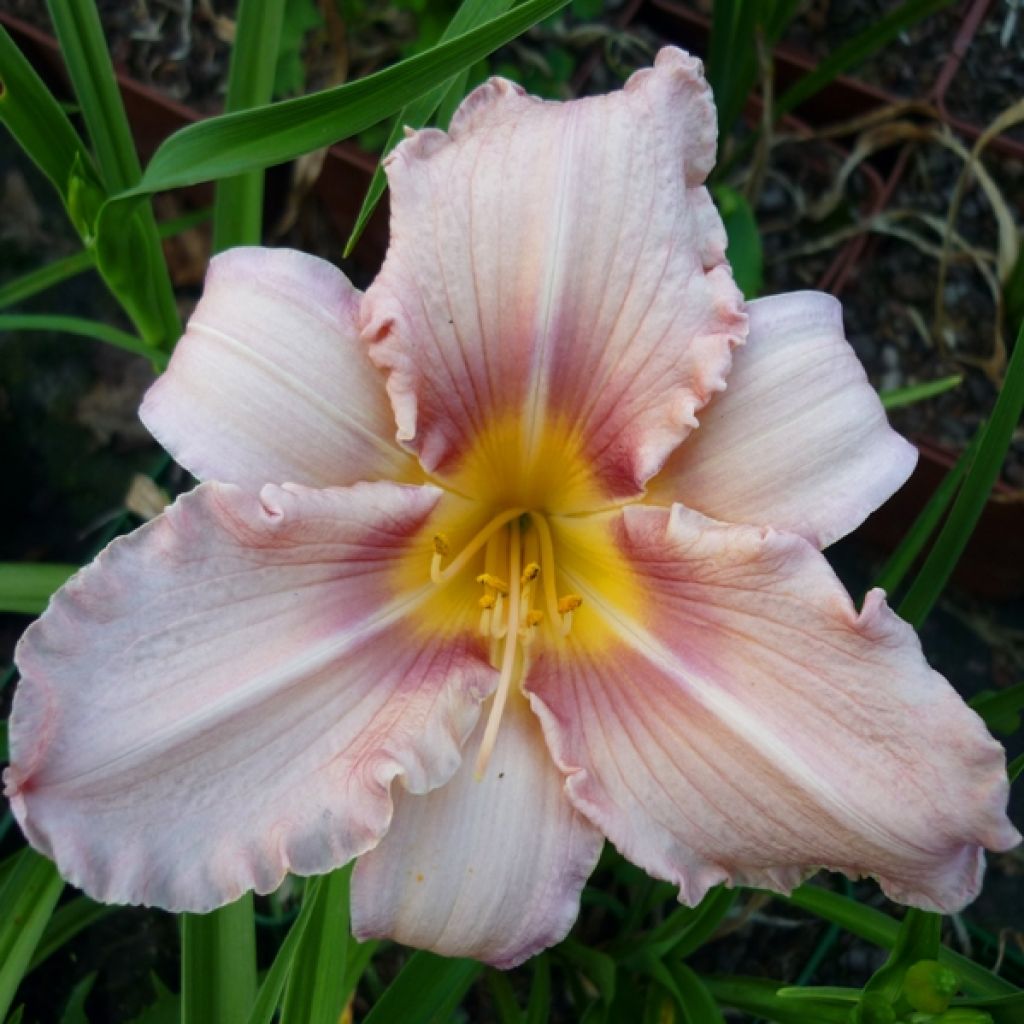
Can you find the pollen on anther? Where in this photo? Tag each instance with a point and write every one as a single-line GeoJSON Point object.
{"type": "Point", "coordinates": [534, 617]}
{"type": "Point", "coordinates": [494, 582]}
{"type": "Point", "coordinates": [530, 573]}
{"type": "Point", "coordinates": [488, 601]}
{"type": "Point", "coordinates": [441, 545]}
{"type": "Point", "coordinates": [569, 603]}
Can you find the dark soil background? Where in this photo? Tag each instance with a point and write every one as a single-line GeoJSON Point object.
{"type": "Point", "coordinates": [71, 444]}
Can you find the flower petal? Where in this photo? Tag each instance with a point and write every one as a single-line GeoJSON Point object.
{"type": "Point", "coordinates": [750, 725]}
{"type": "Point", "coordinates": [799, 440]}
{"type": "Point", "coordinates": [490, 869]}
{"type": "Point", "coordinates": [226, 695]}
{"type": "Point", "coordinates": [271, 384]}
{"type": "Point", "coordinates": [557, 267]}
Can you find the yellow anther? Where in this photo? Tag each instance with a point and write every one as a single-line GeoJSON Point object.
{"type": "Point", "coordinates": [489, 580]}
{"type": "Point", "coordinates": [569, 603]}
{"type": "Point", "coordinates": [534, 618]}
{"type": "Point", "coordinates": [488, 601]}
{"type": "Point", "coordinates": [441, 545]}
{"type": "Point", "coordinates": [530, 573]}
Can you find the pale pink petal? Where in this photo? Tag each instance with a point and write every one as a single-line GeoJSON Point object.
{"type": "Point", "coordinates": [556, 279]}
{"type": "Point", "coordinates": [745, 724]}
{"type": "Point", "coordinates": [226, 695]}
{"type": "Point", "coordinates": [491, 868]}
{"type": "Point", "coordinates": [271, 383]}
{"type": "Point", "coordinates": [799, 439]}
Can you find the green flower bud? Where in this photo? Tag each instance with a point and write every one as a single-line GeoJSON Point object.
{"type": "Point", "coordinates": [929, 986]}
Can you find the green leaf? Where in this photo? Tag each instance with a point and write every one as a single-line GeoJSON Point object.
{"type": "Point", "coordinates": [238, 205]}
{"type": "Point", "coordinates": [745, 252]}
{"type": "Point", "coordinates": [233, 143]}
{"type": "Point", "coordinates": [1015, 767]}
{"type": "Point", "coordinates": [470, 14]}
{"type": "Point", "coordinates": [28, 895]}
{"type": "Point", "coordinates": [856, 50]}
{"type": "Point", "coordinates": [86, 328]}
{"type": "Point", "coordinates": [35, 118]}
{"type": "Point", "coordinates": [26, 587]}
{"type": "Point", "coordinates": [36, 281]}
{"type": "Point", "coordinates": [686, 929]}
{"type": "Point", "coordinates": [696, 1001]}
{"type": "Point", "coordinates": [918, 938]}
{"type": "Point", "coordinates": [538, 1009]}
{"type": "Point", "coordinates": [165, 1009]}
{"type": "Point", "coordinates": [131, 261]}
{"type": "Point", "coordinates": [426, 985]}
{"type": "Point", "coordinates": [1000, 708]}
{"type": "Point", "coordinates": [926, 523]}
{"type": "Point", "coordinates": [503, 997]}
{"type": "Point", "coordinates": [597, 966]}
{"type": "Point", "coordinates": [218, 964]}
{"type": "Point", "coordinates": [315, 991]}
{"type": "Point", "coordinates": [300, 18]}
{"type": "Point", "coordinates": [760, 997]}
{"type": "Point", "coordinates": [996, 435]}
{"type": "Point", "coordinates": [74, 1009]}
{"type": "Point", "coordinates": [883, 931]}
{"type": "Point", "coordinates": [66, 922]}
{"type": "Point", "coordinates": [898, 397]}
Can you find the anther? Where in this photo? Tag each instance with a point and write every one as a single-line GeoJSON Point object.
{"type": "Point", "coordinates": [489, 580]}
{"type": "Point", "coordinates": [534, 618]}
{"type": "Point", "coordinates": [530, 573]}
{"type": "Point", "coordinates": [569, 603]}
{"type": "Point", "coordinates": [488, 601]}
{"type": "Point", "coordinates": [441, 544]}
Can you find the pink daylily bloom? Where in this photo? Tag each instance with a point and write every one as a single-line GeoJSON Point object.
{"type": "Point", "coordinates": [582, 596]}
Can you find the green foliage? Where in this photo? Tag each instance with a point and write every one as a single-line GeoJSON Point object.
{"type": "Point", "coordinates": [300, 18]}
{"type": "Point", "coordinates": [26, 587]}
{"type": "Point", "coordinates": [745, 252]}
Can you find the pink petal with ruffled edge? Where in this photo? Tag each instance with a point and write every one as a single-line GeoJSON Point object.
{"type": "Point", "coordinates": [490, 869]}
{"type": "Point", "coordinates": [752, 726]}
{"type": "Point", "coordinates": [558, 266]}
{"type": "Point", "coordinates": [227, 694]}
{"type": "Point", "coordinates": [271, 384]}
{"type": "Point", "coordinates": [799, 439]}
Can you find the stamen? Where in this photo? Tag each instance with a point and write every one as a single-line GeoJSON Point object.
{"type": "Point", "coordinates": [560, 609]}
{"type": "Point", "coordinates": [508, 660]}
{"type": "Point", "coordinates": [488, 601]}
{"type": "Point", "coordinates": [499, 627]}
{"type": "Point", "coordinates": [479, 540]}
{"type": "Point", "coordinates": [530, 573]}
{"type": "Point", "coordinates": [569, 603]}
{"type": "Point", "coordinates": [494, 582]}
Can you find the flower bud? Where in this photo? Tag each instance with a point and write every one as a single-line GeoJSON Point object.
{"type": "Point", "coordinates": [929, 986]}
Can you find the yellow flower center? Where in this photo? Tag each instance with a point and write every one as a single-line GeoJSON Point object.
{"type": "Point", "coordinates": [518, 591]}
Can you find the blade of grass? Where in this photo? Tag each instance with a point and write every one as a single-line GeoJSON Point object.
{"type": "Point", "coordinates": [882, 930]}
{"type": "Point", "coordinates": [899, 397]}
{"type": "Point", "coordinates": [315, 990]}
{"type": "Point", "coordinates": [25, 587]}
{"type": "Point", "coordinates": [857, 50]}
{"type": "Point", "coordinates": [914, 540]}
{"type": "Point", "coordinates": [66, 923]}
{"type": "Point", "coordinates": [137, 271]}
{"type": "Point", "coordinates": [470, 14]}
{"type": "Point", "coordinates": [996, 435]}
{"type": "Point", "coordinates": [27, 898]}
{"type": "Point", "coordinates": [234, 143]}
{"type": "Point", "coordinates": [238, 206]}
{"type": "Point", "coordinates": [35, 118]}
{"type": "Point", "coordinates": [227, 939]}
{"type": "Point", "coordinates": [424, 986]}
{"type": "Point", "coordinates": [86, 328]}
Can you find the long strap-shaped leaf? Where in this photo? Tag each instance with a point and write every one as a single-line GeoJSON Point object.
{"type": "Point", "coordinates": [133, 264]}
{"type": "Point", "coordinates": [470, 14]}
{"type": "Point", "coordinates": [234, 143]}
{"type": "Point", "coordinates": [27, 897]}
{"type": "Point", "coordinates": [425, 987]}
{"type": "Point", "coordinates": [238, 207]}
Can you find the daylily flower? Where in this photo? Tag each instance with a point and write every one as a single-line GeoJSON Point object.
{"type": "Point", "coordinates": [561, 608]}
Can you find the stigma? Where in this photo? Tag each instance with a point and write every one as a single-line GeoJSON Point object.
{"type": "Point", "coordinates": [512, 559]}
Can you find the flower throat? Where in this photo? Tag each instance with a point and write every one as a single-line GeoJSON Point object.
{"type": "Point", "coordinates": [519, 594]}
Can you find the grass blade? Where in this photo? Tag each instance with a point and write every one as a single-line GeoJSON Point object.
{"type": "Point", "coordinates": [316, 992]}
{"type": "Point", "coordinates": [425, 985]}
{"type": "Point", "coordinates": [857, 50]}
{"type": "Point", "coordinates": [25, 587]}
{"type": "Point", "coordinates": [133, 265]}
{"type": "Point", "coordinates": [470, 14]}
{"type": "Point", "coordinates": [35, 118]}
{"type": "Point", "coordinates": [902, 559]}
{"type": "Point", "coordinates": [996, 435]}
{"type": "Point", "coordinates": [218, 964]}
{"type": "Point", "coordinates": [238, 206]}
{"type": "Point", "coordinates": [29, 894]}
{"type": "Point", "coordinates": [234, 143]}
{"type": "Point", "coordinates": [86, 328]}
{"type": "Point", "coordinates": [899, 397]}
